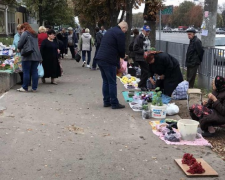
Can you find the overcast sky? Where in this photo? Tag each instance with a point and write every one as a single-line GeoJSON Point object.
{"type": "Point", "coordinates": [172, 2]}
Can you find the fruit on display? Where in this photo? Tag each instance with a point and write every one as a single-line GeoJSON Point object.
{"type": "Point", "coordinates": [188, 159]}
{"type": "Point", "coordinates": [126, 80]}
{"type": "Point", "coordinates": [195, 167]}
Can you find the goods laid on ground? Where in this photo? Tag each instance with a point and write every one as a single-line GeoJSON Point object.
{"type": "Point", "coordinates": [168, 131]}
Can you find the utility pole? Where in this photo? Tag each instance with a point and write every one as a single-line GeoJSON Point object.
{"type": "Point", "coordinates": [209, 22]}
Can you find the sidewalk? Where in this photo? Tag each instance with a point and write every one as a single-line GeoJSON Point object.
{"type": "Point", "coordinates": [63, 132]}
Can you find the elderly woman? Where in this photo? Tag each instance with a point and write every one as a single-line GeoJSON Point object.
{"type": "Point", "coordinates": [166, 68]}
{"type": "Point", "coordinates": [72, 40]}
{"type": "Point", "coordinates": [85, 43]}
{"type": "Point", "coordinates": [15, 45]}
{"type": "Point", "coordinates": [42, 35]}
{"type": "Point", "coordinates": [212, 112]}
{"type": "Point", "coordinates": [50, 53]}
{"type": "Point", "coordinates": [29, 61]}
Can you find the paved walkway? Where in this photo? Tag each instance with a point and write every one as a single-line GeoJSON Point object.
{"type": "Point", "coordinates": [63, 132]}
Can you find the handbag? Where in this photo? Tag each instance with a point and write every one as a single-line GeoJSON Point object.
{"type": "Point", "coordinates": [27, 48]}
{"type": "Point", "coordinates": [77, 57]}
{"type": "Point", "coordinates": [40, 70]}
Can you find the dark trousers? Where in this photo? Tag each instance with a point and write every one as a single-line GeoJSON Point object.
{"type": "Point", "coordinates": [109, 86]}
{"type": "Point", "coordinates": [30, 67]}
{"type": "Point", "coordinates": [191, 74]}
{"type": "Point", "coordinates": [144, 73]}
{"type": "Point", "coordinates": [72, 51]}
{"type": "Point", "coordinates": [94, 64]}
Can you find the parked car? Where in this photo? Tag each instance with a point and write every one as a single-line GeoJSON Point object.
{"type": "Point", "coordinates": [167, 30]}
{"type": "Point", "coordinates": [175, 30]}
{"type": "Point", "coordinates": [219, 51]}
{"type": "Point", "coordinates": [220, 31]}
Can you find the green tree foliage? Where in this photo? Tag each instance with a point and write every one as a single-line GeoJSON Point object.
{"type": "Point", "coordinates": [181, 15]}
{"type": "Point", "coordinates": [52, 12]}
{"type": "Point", "coordinates": [138, 20]}
{"type": "Point", "coordinates": [220, 22]}
{"type": "Point", "coordinates": [8, 2]}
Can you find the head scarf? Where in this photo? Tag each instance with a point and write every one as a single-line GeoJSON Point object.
{"type": "Point", "coordinates": [149, 55]}
{"type": "Point", "coordinates": [220, 83]}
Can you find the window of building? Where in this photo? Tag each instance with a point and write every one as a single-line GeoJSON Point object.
{"type": "Point", "coordinates": [2, 22]}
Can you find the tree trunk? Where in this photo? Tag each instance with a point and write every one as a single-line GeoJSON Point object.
{"type": "Point", "coordinates": [40, 9]}
{"type": "Point", "coordinates": [152, 25]}
{"type": "Point", "coordinates": [150, 20]}
{"type": "Point", "coordinates": [210, 22]}
{"type": "Point", "coordinates": [129, 6]}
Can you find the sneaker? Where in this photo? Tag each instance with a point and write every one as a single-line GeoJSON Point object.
{"type": "Point", "coordinates": [83, 63]}
{"type": "Point", "coordinates": [21, 90]}
{"type": "Point", "coordinates": [66, 55]}
{"type": "Point", "coordinates": [88, 66]}
{"type": "Point", "coordinates": [118, 106]}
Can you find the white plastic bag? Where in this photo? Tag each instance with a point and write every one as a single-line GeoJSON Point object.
{"type": "Point", "coordinates": [172, 109]}
{"type": "Point", "coordinates": [40, 71]}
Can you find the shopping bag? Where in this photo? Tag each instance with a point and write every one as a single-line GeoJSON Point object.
{"type": "Point", "coordinates": [123, 66]}
{"type": "Point", "coordinates": [17, 63]}
{"type": "Point", "coordinates": [77, 57]}
{"type": "Point", "coordinates": [40, 71]}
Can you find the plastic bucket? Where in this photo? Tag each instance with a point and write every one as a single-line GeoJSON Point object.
{"type": "Point", "coordinates": [158, 111]}
{"type": "Point", "coordinates": [188, 129]}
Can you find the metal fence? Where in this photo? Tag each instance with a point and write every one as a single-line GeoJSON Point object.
{"type": "Point", "coordinates": [213, 63]}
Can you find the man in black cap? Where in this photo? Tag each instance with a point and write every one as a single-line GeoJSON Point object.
{"type": "Point", "coordinates": [194, 56]}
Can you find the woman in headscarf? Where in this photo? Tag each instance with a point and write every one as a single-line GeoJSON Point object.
{"type": "Point", "coordinates": [50, 54]}
{"type": "Point", "coordinates": [212, 112]}
{"type": "Point", "coordinates": [166, 68]}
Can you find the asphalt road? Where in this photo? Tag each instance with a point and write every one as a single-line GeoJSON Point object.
{"type": "Point", "coordinates": [63, 132]}
{"type": "Point", "coordinates": [175, 37]}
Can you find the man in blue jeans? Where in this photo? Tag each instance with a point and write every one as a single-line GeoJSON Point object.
{"type": "Point", "coordinates": [112, 48]}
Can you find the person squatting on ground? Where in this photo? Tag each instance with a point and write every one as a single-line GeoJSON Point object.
{"type": "Point", "coordinates": [29, 62]}
{"type": "Point", "coordinates": [98, 39]}
{"type": "Point", "coordinates": [112, 48]}
{"type": "Point", "coordinates": [50, 54]}
{"type": "Point", "coordinates": [194, 56]}
{"type": "Point", "coordinates": [85, 45]}
{"type": "Point", "coordinates": [141, 44]}
{"type": "Point", "coordinates": [72, 41]}
{"type": "Point", "coordinates": [212, 112]}
{"type": "Point", "coordinates": [165, 67]}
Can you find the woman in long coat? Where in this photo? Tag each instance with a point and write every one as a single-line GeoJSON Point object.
{"type": "Point", "coordinates": [167, 69]}
{"type": "Point", "coordinates": [49, 51]}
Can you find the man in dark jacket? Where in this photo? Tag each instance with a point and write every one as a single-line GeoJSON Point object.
{"type": "Point", "coordinates": [193, 57]}
{"type": "Point", "coordinates": [141, 44]}
{"type": "Point", "coordinates": [111, 49]}
{"type": "Point", "coordinates": [98, 39]}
